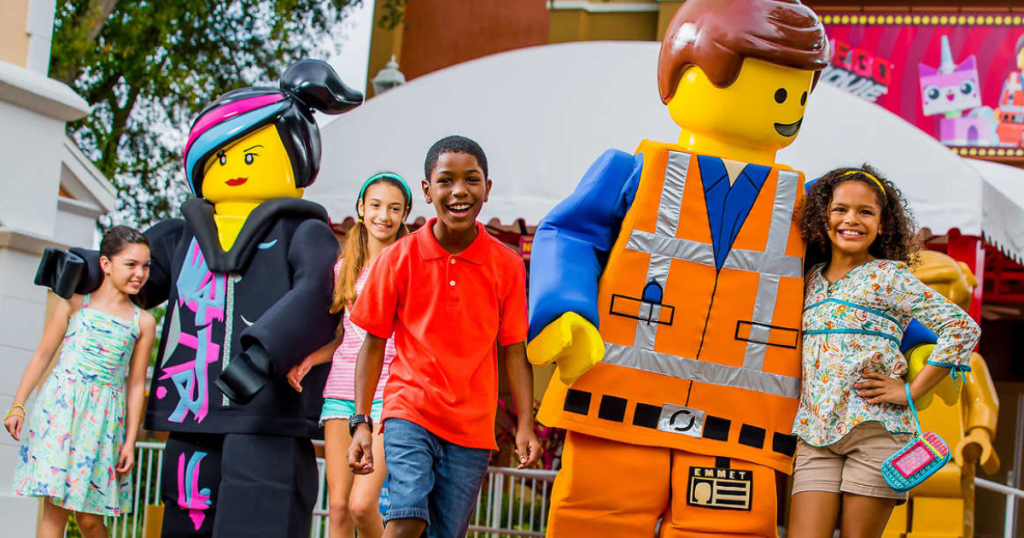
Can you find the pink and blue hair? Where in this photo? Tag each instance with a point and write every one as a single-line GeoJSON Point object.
{"type": "Point", "coordinates": [306, 85]}
{"type": "Point", "coordinates": [219, 126]}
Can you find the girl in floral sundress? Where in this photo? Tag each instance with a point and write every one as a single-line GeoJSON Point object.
{"type": "Point", "coordinates": [77, 447]}
{"type": "Point", "coordinates": [853, 411]}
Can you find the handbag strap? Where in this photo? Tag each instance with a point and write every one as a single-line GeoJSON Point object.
{"type": "Point", "coordinates": [913, 409]}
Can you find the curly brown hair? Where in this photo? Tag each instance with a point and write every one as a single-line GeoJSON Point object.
{"type": "Point", "coordinates": [897, 238]}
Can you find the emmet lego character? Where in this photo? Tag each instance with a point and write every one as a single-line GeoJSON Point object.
{"type": "Point", "coordinates": [668, 290]}
{"type": "Point", "coordinates": [247, 276]}
{"type": "Point", "coordinates": [1011, 102]}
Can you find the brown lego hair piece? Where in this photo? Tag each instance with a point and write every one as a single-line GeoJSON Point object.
{"type": "Point", "coordinates": [716, 35]}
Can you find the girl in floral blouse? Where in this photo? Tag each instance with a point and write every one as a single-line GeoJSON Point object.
{"type": "Point", "coordinates": [853, 410]}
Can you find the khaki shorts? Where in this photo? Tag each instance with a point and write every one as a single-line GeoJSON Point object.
{"type": "Point", "coordinates": [852, 465]}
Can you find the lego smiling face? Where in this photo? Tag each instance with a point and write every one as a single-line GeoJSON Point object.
{"type": "Point", "coordinates": [252, 169]}
{"type": "Point", "coordinates": [762, 109]}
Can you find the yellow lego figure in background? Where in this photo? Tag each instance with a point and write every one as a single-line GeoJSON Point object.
{"type": "Point", "coordinates": [943, 506]}
{"type": "Point", "coordinates": [668, 289]}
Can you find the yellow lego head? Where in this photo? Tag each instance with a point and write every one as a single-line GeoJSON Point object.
{"type": "Point", "coordinates": [254, 168]}
{"type": "Point", "coordinates": [763, 108]}
{"type": "Point", "coordinates": [256, 144]}
{"type": "Point", "coordinates": [947, 276]}
{"type": "Point", "coordinates": [738, 72]}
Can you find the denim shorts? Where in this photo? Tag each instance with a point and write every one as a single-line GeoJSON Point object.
{"type": "Point", "coordinates": [432, 479]}
{"type": "Point", "coordinates": [342, 409]}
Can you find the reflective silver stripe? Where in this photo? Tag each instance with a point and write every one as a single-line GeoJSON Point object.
{"type": "Point", "coordinates": [650, 311]}
{"type": "Point", "coordinates": [671, 204]}
{"type": "Point", "coordinates": [764, 262]}
{"type": "Point", "coordinates": [646, 331]}
{"type": "Point", "coordinates": [701, 371]}
{"type": "Point", "coordinates": [764, 308]}
{"type": "Point", "coordinates": [768, 283]}
{"type": "Point", "coordinates": [782, 213]}
{"type": "Point", "coordinates": [669, 207]}
{"type": "Point", "coordinates": [672, 247]}
{"type": "Point", "coordinates": [704, 253]}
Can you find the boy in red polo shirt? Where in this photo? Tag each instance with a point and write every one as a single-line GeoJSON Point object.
{"type": "Point", "coordinates": [448, 293]}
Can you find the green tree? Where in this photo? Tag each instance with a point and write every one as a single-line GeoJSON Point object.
{"type": "Point", "coordinates": [149, 66]}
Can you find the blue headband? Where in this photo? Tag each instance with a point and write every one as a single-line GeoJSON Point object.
{"type": "Point", "coordinates": [396, 177]}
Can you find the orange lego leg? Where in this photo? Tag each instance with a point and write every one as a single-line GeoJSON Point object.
{"type": "Point", "coordinates": [607, 488]}
{"type": "Point", "coordinates": [720, 497]}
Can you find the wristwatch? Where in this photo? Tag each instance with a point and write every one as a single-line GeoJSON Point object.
{"type": "Point", "coordinates": [355, 420]}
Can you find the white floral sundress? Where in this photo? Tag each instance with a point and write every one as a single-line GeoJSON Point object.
{"type": "Point", "coordinates": [845, 323]}
{"type": "Point", "coordinates": [72, 440]}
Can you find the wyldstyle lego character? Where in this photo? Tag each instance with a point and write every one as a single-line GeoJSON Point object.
{"type": "Point", "coordinates": [247, 277]}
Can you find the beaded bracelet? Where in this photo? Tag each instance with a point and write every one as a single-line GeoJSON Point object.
{"type": "Point", "coordinates": [10, 411]}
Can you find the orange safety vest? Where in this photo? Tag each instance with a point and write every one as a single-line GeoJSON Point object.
{"type": "Point", "coordinates": [706, 361]}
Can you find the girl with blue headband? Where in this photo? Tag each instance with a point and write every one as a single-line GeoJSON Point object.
{"type": "Point", "coordinates": [383, 204]}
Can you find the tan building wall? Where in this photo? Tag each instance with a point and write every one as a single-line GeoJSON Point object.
{"type": "Point", "coordinates": [634, 20]}
{"type": "Point", "coordinates": [440, 33]}
{"type": "Point", "coordinates": [383, 44]}
{"type": "Point", "coordinates": [14, 36]}
{"type": "Point", "coordinates": [435, 34]}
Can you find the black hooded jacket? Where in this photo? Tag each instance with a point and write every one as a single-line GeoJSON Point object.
{"type": "Point", "coordinates": [272, 289]}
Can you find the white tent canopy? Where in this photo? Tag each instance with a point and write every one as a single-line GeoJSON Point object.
{"type": "Point", "coordinates": [544, 114]}
{"type": "Point", "coordinates": [1003, 215]}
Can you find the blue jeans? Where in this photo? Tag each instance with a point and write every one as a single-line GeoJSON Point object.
{"type": "Point", "coordinates": [432, 479]}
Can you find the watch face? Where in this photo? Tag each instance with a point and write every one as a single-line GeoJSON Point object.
{"type": "Point", "coordinates": [355, 420]}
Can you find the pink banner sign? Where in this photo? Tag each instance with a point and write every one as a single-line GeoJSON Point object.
{"type": "Point", "coordinates": [956, 76]}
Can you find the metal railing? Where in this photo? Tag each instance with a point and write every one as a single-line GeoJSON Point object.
{"type": "Point", "coordinates": [146, 491]}
{"type": "Point", "coordinates": [1012, 477]}
{"type": "Point", "coordinates": [510, 503]}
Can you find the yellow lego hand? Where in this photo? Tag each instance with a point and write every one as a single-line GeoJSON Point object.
{"type": "Point", "coordinates": [572, 342]}
{"type": "Point", "coordinates": [977, 447]}
{"type": "Point", "coordinates": [945, 390]}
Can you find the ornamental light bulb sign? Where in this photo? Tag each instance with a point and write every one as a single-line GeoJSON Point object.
{"type": "Point", "coordinates": [955, 76]}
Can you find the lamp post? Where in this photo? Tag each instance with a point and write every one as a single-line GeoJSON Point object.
{"type": "Point", "coordinates": [388, 78]}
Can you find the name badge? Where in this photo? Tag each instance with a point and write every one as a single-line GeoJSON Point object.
{"type": "Point", "coordinates": [723, 489]}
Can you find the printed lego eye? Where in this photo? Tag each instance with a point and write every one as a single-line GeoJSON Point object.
{"type": "Point", "coordinates": [780, 95]}
{"type": "Point", "coordinates": [249, 157]}
{"type": "Point", "coordinates": [222, 159]}
{"type": "Point", "coordinates": [967, 87]}
{"type": "Point", "coordinates": [931, 92]}
{"type": "Point", "coordinates": [803, 99]}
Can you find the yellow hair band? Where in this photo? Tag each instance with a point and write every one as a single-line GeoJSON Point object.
{"type": "Point", "coordinates": [869, 176]}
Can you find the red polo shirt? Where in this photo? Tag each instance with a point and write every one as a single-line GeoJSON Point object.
{"type": "Point", "coordinates": [446, 312]}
